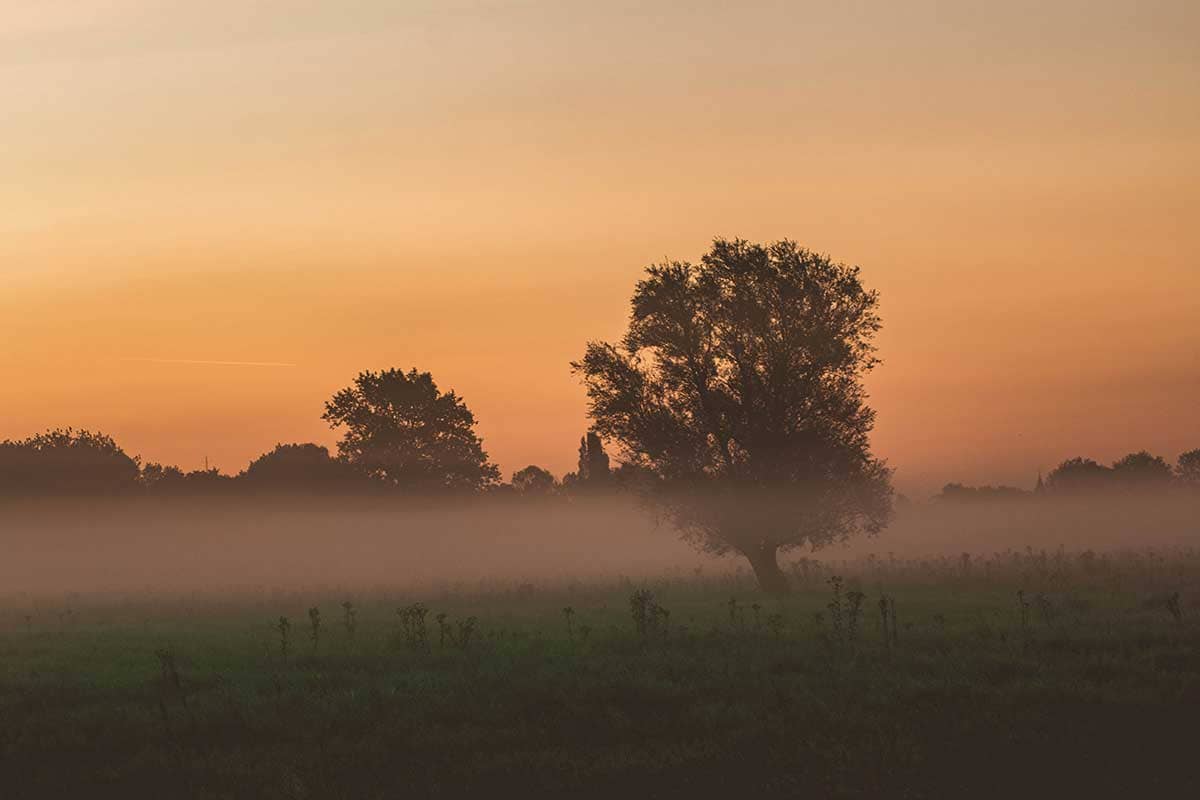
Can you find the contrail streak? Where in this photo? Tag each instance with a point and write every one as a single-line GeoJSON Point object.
{"type": "Point", "coordinates": [210, 363]}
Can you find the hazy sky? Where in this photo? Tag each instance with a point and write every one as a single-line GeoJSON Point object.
{"type": "Point", "coordinates": [473, 188]}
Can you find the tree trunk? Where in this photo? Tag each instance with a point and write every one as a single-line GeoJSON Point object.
{"type": "Point", "coordinates": [766, 569]}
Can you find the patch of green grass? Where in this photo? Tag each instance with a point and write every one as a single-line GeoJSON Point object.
{"type": "Point", "coordinates": [696, 686]}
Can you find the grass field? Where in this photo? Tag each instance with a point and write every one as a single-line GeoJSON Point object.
{"type": "Point", "coordinates": [1022, 674]}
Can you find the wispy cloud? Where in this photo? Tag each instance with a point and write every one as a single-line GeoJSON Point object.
{"type": "Point", "coordinates": [210, 363]}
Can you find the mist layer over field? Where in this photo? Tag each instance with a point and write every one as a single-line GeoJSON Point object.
{"type": "Point", "coordinates": [223, 545]}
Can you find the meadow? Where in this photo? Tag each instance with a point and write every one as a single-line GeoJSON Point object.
{"type": "Point", "coordinates": [1027, 673]}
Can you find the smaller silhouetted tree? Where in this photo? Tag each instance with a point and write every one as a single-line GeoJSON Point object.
{"type": "Point", "coordinates": [398, 428]}
{"type": "Point", "coordinates": [1141, 470]}
{"type": "Point", "coordinates": [1187, 469]}
{"type": "Point", "coordinates": [1078, 475]}
{"type": "Point", "coordinates": [533, 480]}
{"type": "Point", "coordinates": [162, 478]}
{"type": "Point", "coordinates": [299, 468]}
{"type": "Point", "coordinates": [593, 459]}
{"type": "Point", "coordinates": [66, 461]}
{"type": "Point", "coordinates": [593, 470]}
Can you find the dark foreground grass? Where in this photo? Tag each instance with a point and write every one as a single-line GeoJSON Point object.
{"type": "Point", "coordinates": [1023, 675]}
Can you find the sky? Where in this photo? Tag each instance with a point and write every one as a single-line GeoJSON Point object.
{"type": "Point", "coordinates": [321, 187]}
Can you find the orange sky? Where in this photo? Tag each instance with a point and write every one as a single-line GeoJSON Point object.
{"type": "Point", "coordinates": [473, 187]}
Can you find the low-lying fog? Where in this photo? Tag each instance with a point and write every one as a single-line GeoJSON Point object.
{"type": "Point", "coordinates": [190, 545]}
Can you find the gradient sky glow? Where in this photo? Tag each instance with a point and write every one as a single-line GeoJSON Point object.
{"type": "Point", "coordinates": [473, 188]}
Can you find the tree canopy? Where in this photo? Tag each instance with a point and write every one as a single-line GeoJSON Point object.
{"type": "Point", "coordinates": [533, 480]}
{"type": "Point", "coordinates": [162, 478]}
{"type": "Point", "coordinates": [593, 461]}
{"type": "Point", "coordinates": [299, 467]}
{"type": "Point", "coordinates": [1077, 474]}
{"type": "Point", "coordinates": [398, 428]}
{"type": "Point", "coordinates": [1187, 468]}
{"type": "Point", "coordinates": [66, 461]}
{"type": "Point", "coordinates": [739, 386]}
{"type": "Point", "coordinates": [593, 473]}
{"type": "Point", "coordinates": [1142, 470]}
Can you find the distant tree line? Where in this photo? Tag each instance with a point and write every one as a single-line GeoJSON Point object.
{"type": "Point", "coordinates": [1075, 476]}
{"type": "Point", "coordinates": [736, 398]}
{"type": "Point", "coordinates": [400, 434]}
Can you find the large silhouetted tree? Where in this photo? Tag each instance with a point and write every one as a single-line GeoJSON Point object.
{"type": "Point", "coordinates": [399, 429]}
{"type": "Point", "coordinates": [66, 461]}
{"type": "Point", "coordinates": [739, 386]}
